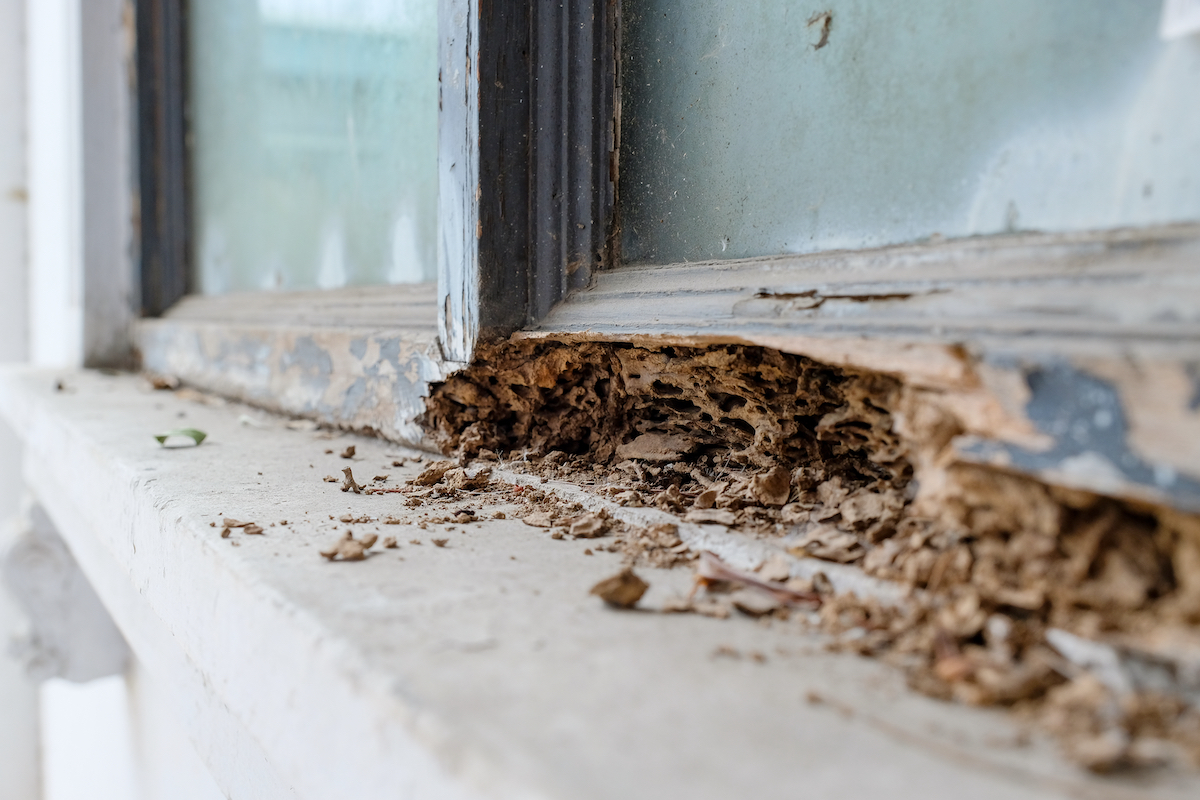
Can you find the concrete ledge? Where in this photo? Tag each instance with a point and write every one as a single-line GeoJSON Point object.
{"type": "Point", "coordinates": [481, 669]}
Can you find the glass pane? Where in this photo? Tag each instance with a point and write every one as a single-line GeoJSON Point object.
{"type": "Point", "coordinates": [752, 129]}
{"type": "Point", "coordinates": [313, 142]}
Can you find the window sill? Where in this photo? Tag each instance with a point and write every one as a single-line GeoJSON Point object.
{"type": "Point", "coordinates": [482, 669]}
{"type": "Point", "coordinates": [359, 358]}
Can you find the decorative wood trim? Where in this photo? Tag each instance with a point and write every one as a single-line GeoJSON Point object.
{"type": "Point", "coordinates": [573, 155]}
{"type": "Point", "coordinates": [527, 140]}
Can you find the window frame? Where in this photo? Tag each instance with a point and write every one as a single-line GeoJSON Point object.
{"type": "Point", "coordinates": [529, 127]}
{"type": "Point", "coordinates": [526, 152]}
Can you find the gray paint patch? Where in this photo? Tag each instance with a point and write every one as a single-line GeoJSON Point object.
{"type": "Point", "coordinates": [1084, 416]}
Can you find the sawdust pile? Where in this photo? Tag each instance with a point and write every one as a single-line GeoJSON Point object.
{"type": "Point", "coordinates": [1004, 572]}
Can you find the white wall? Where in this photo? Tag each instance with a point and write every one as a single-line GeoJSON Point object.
{"type": "Point", "coordinates": [87, 742]}
{"type": "Point", "coordinates": [169, 768]}
{"type": "Point", "coordinates": [55, 160]}
{"type": "Point", "coordinates": [20, 774]}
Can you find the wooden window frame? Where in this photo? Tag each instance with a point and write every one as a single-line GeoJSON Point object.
{"type": "Point", "coordinates": [529, 124]}
{"type": "Point", "coordinates": [526, 160]}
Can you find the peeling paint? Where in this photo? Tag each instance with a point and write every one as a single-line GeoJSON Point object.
{"type": "Point", "coordinates": [1085, 419]}
{"type": "Point", "coordinates": [367, 381]}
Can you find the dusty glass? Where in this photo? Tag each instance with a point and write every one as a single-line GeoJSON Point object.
{"type": "Point", "coordinates": [751, 129]}
{"type": "Point", "coordinates": [313, 142]}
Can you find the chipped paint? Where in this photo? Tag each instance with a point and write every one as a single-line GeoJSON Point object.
{"type": "Point", "coordinates": [1086, 421]}
{"type": "Point", "coordinates": [367, 381]}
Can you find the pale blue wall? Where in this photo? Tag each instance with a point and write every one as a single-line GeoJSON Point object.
{"type": "Point", "coordinates": [313, 142]}
{"type": "Point", "coordinates": [923, 117]}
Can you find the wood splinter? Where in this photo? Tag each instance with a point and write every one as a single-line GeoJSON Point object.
{"type": "Point", "coordinates": [349, 484]}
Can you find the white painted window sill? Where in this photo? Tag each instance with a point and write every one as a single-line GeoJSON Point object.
{"type": "Point", "coordinates": [482, 669]}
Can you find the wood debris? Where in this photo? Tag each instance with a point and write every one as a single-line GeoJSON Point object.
{"type": "Point", "coordinates": [250, 528]}
{"type": "Point", "coordinates": [539, 519]}
{"type": "Point", "coordinates": [589, 526]}
{"type": "Point", "coordinates": [348, 482]}
{"type": "Point", "coordinates": [622, 590]}
{"type": "Point", "coordinates": [433, 473]}
{"type": "Point", "coordinates": [348, 452]}
{"type": "Point", "coordinates": [348, 548]}
{"type": "Point", "coordinates": [778, 447]}
{"type": "Point", "coordinates": [712, 570]}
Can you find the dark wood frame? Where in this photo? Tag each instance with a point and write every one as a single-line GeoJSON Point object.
{"type": "Point", "coordinates": [162, 154]}
{"type": "Point", "coordinates": [527, 149]}
{"type": "Point", "coordinates": [527, 160]}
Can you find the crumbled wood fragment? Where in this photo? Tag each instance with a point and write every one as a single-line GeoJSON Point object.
{"type": "Point", "coordinates": [753, 603]}
{"type": "Point", "coordinates": [669, 500]}
{"type": "Point", "coordinates": [348, 548]}
{"type": "Point", "coordinates": [439, 542]}
{"type": "Point", "coordinates": [348, 452]}
{"type": "Point", "coordinates": [433, 473]}
{"type": "Point", "coordinates": [252, 529]}
{"type": "Point", "coordinates": [361, 519]}
{"type": "Point", "coordinates": [225, 532]}
{"type": "Point", "coordinates": [710, 516]}
{"type": "Point", "coordinates": [229, 522]}
{"type": "Point", "coordinates": [380, 478]}
{"type": "Point", "coordinates": [706, 499]}
{"type": "Point", "coordinates": [772, 488]}
{"type": "Point", "coordinates": [657, 447]}
{"type": "Point", "coordinates": [330, 479]}
{"type": "Point", "coordinates": [539, 519]}
{"type": "Point", "coordinates": [776, 568]}
{"type": "Point", "coordinates": [369, 540]}
{"type": "Point", "coordinates": [390, 543]}
{"type": "Point", "coordinates": [622, 590]}
{"type": "Point", "coordinates": [457, 478]}
{"type": "Point", "coordinates": [589, 526]}
{"type": "Point", "coordinates": [349, 484]}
